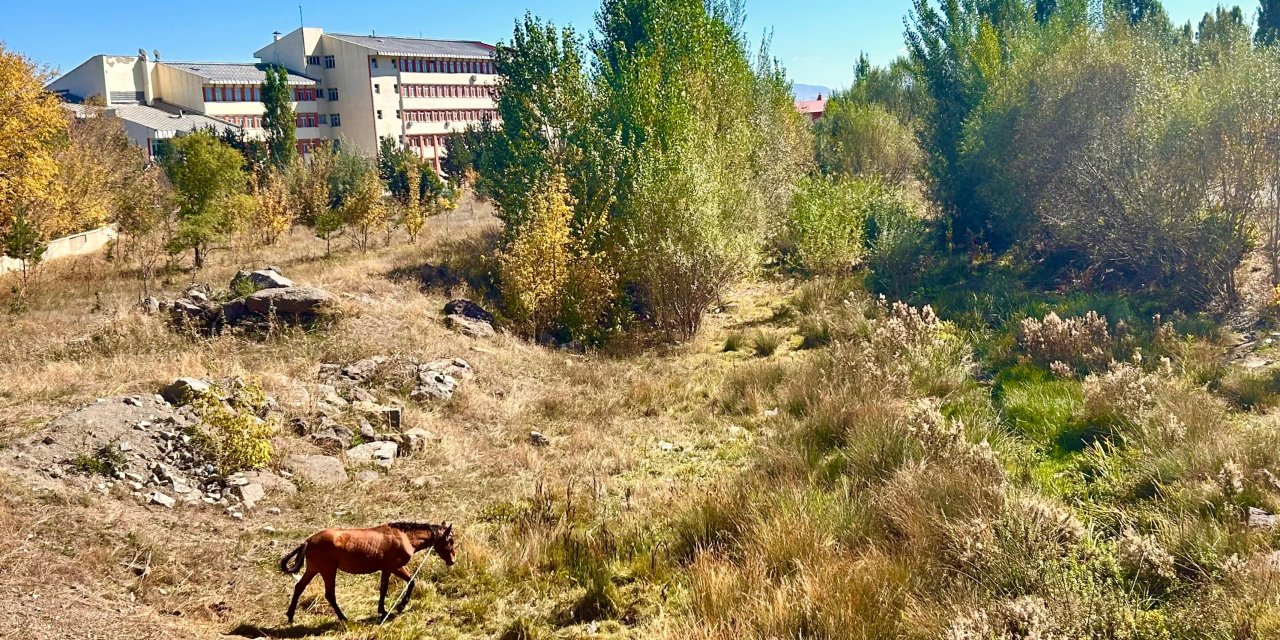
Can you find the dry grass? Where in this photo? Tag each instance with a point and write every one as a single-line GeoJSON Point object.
{"type": "Point", "coordinates": [860, 484]}
{"type": "Point", "coordinates": [605, 415]}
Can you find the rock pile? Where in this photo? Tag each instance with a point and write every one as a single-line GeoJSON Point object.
{"type": "Point", "coordinates": [142, 445]}
{"type": "Point", "coordinates": [435, 380]}
{"type": "Point", "coordinates": [258, 298]}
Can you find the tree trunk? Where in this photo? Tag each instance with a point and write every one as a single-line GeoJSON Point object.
{"type": "Point", "coordinates": [199, 248]}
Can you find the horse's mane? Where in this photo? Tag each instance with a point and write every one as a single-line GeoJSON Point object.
{"type": "Point", "coordinates": [415, 526]}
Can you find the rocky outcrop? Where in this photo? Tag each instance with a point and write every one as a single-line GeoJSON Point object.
{"type": "Point", "coordinates": [266, 295]}
{"type": "Point", "coordinates": [183, 390]}
{"type": "Point", "coordinates": [247, 282]}
{"type": "Point", "coordinates": [381, 453]}
{"type": "Point", "coordinates": [428, 381]}
{"type": "Point", "coordinates": [469, 327]}
{"type": "Point", "coordinates": [301, 303]}
{"type": "Point", "coordinates": [321, 471]}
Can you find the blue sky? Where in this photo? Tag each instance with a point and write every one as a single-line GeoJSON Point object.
{"type": "Point", "coordinates": [818, 40]}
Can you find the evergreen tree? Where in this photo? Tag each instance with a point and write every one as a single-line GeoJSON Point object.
{"type": "Point", "coordinates": [1141, 11]}
{"type": "Point", "coordinates": [1045, 10]}
{"type": "Point", "coordinates": [278, 119]}
{"type": "Point", "coordinates": [23, 242]}
{"type": "Point", "coordinates": [1268, 22]}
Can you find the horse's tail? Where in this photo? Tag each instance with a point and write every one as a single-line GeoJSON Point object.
{"type": "Point", "coordinates": [297, 556]}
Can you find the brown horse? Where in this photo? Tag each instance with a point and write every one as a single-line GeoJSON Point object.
{"type": "Point", "coordinates": [387, 548]}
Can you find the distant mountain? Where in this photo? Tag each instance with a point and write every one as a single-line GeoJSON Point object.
{"type": "Point", "coordinates": [809, 91]}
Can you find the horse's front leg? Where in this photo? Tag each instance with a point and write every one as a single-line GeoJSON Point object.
{"type": "Point", "coordinates": [382, 595]}
{"type": "Point", "coordinates": [403, 574]}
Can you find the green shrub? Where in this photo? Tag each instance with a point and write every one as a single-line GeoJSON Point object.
{"type": "Point", "coordinates": [230, 433]}
{"type": "Point", "coordinates": [855, 138]}
{"type": "Point", "coordinates": [897, 244]}
{"type": "Point", "coordinates": [826, 228]}
{"type": "Point", "coordinates": [107, 460]}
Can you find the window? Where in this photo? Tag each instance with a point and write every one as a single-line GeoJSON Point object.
{"type": "Point", "coordinates": [397, 114]}
{"type": "Point", "coordinates": [324, 119]}
{"type": "Point", "coordinates": [313, 60]}
{"type": "Point", "coordinates": [335, 120]}
{"type": "Point", "coordinates": [333, 93]}
{"type": "Point", "coordinates": [208, 94]}
{"type": "Point", "coordinates": [329, 62]}
{"type": "Point", "coordinates": [395, 88]}
{"type": "Point", "coordinates": [395, 63]}
{"type": "Point", "coordinates": [373, 63]}
{"type": "Point", "coordinates": [379, 114]}
{"type": "Point", "coordinates": [377, 88]}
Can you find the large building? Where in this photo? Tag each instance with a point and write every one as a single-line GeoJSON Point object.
{"type": "Point", "coordinates": [357, 89]}
{"type": "Point", "coordinates": [414, 90]}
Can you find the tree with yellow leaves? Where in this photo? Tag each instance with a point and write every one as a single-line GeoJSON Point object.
{"type": "Point", "coordinates": [96, 162]}
{"type": "Point", "coordinates": [31, 126]}
{"type": "Point", "coordinates": [414, 219]}
{"type": "Point", "coordinates": [548, 282]}
{"type": "Point", "coordinates": [275, 210]}
{"type": "Point", "coordinates": [363, 209]}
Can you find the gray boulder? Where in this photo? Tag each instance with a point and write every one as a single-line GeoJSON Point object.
{"type": "Point", "coordinates": [183, 390]}
{"type": "Point", "coordinates": [1259, 519]}
{"type": "Point", "coordinates": [470, 327]}
{"type": "Point", "coordinates": [271, 482]}
{"type": "Point", "coordinates": [234, 311]}
{"type": "Point", "coordinates": [381, 453]}
{"type": "Point", "coordinates": [416, 440]}
{"type": "Point", "coordinates": [246, 282]}
{"type": "Point", "coordinates": [251, 493]}
{"type": "Point", "coordinates": [163, 500]}
{"type": "Point", "coordinates": [333, 438]}
{"type": "Point", "coordinates": [297, 302]}
{"type": "Point", "coordinates": [433, 385]}
{"type": "Point", "coordinates": [458, 368]}
{"type": "Point", "coordinates": [323, 471]}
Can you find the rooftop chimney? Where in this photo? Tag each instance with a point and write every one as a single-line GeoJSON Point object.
{"type": "Point", "coordinates": [819, 97]}
{"type": "Point", "coordinates": [275, 36]}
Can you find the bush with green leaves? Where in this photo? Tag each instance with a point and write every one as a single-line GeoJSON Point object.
{"type": "Point", "coordinates": [674, 145]}
{"type": "Point", "coordinates": [827, 228]}
{"type": "Point", "coordinates": [858, 139]}
{"type": "Point", "coordinates": [230, 431]}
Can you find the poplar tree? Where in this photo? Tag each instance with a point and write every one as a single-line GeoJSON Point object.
{"type": "Point", "coordinates": [278, 119]}
{"type": "Point", "coordinates": [1268, 22]}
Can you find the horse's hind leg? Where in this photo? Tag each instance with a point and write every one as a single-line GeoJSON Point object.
{"type": "Point", "coordinates": [408, 590]}
{"type": "Point", "coordinates": [297, 592]}
{"type": "Point", "coordinates": [382, 594]}
{"type": "Point", "coordinates": [330, 579]}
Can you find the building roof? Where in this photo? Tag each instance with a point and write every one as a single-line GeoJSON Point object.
{"type": "Point", "coordinates": [236, 72]}
{"type": "Point", "coordinates": [158, 116]}
{"type": "Point", "coordinates": [811, 107]}
{"type": "Point", "coordinates": [393, 46]}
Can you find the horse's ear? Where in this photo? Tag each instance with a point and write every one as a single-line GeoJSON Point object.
{"type": "Point", "coordinates": [448, 527]}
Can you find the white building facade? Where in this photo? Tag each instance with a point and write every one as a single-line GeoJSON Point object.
{"type": "Point", "coordinates": [348, 88]}
{"type": "Point", "coordinates": [413, 90]}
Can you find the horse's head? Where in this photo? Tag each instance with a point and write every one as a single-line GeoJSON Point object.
{"type": "Point", "coordinates": [443, 543]}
